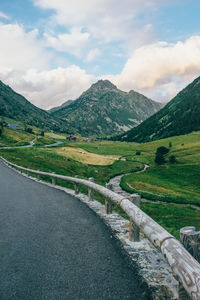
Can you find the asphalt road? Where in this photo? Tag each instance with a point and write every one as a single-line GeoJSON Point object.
{"type": "Point", "coordinates": [54, 247]}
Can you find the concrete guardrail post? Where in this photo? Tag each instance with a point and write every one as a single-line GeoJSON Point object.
{"type": "Point", "coordinates": [134, 230]}
{"type": "Point", "coordinates": [108, 202]}
{"type": "Point", "coordinates": [91, 191]}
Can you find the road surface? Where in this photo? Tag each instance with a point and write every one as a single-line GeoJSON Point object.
{"type": "Point", "coordinates": [54, 247]}
{"type": "Point", "coordinates": [31, 144]}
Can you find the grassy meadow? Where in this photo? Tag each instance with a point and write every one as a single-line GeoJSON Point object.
{"type": "Point", "coordinates": [49, 160]}
{"type": "Point", "coordinates": [171, 182]}
{"type": "Point", "coordinates": [85, 157]}
{"type": "Point", "coordinates": [12, 137]}
{"type": "Point", "coordinates": [56, 136]}
{"type": "Point", "coordinates": [20, 137]}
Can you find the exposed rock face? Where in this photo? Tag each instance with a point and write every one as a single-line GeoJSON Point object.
{"type": "Point", "coordinates": [103, 110]}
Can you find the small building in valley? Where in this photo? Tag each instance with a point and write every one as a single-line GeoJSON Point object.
{"type": "Point", "coordinates": [13, 126]}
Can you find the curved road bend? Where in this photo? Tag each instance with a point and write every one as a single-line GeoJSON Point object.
{"type": "Point", "coordinates": [54, 247]}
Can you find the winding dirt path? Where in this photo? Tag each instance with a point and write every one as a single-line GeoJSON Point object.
{"type": "Point", "coordinates": [115, 186]}
{"type": "Point", "coordinates": [115, 182]}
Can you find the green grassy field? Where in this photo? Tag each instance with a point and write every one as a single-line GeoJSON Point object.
{"type": "Point", "coordinates": [55, 136]}
{"type": "Point", "coordinates": [43, 140]}
{"type": "Point", "coordinates": [49, 161]}
{"type": "Point", "coordinates": [12, 137]}
{"type": "Point", "coordinates": [173, 216]}
{"type": "Point", "coordinates": [20, 137]}
{"type": "Point", "coordinates": [177, 183]}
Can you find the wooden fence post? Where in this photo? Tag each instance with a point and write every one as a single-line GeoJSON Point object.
{"type": "Point", "coordinates": [108, 202]}
{"type": "Point", "coordinates": [134, 230]}
{"type": "Point", "coordinates": [91, 191]}
{"type": "Point", "coordinates": [191, 241]}
{"type": "Point", "coordinates": [77, 187]}
{"type": "Point", "coordinates": [53, 179]}
{"type": "Point", "coordinates": [182, 294]}
{"type": "Point", "coordinates": [38, 176]}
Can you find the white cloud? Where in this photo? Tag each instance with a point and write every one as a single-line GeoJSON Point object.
{"type": "Point", "coordinates": [49, 88]}
{"type": "Point", "coordinates": [73, 42]}
{"type": "Point", "coordinates": [20, 49]}
{"type": "Point", "coordinates": [23, 59]}
{"type": "Point", "coordinates": [4, 16]}
{"type": "Point", "coordinates": [93, 53]}
{"type": "Point", "coordinates": [106, 20]}
{"type": "Point", "coordinates": [158, 70]}
{"type": "Point", "coordinates": [153, 68]}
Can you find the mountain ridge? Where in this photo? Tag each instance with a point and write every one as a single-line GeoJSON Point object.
{"type": "Point", "coordinates": [179, 116]}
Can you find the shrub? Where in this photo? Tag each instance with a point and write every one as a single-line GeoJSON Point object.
{"type": "Point", "coordinates": [162, 150]}
{"type": "Point", "coordinates": [138, 152]}
{"type": "Point", "coordinates": [29, 130]}
{"type": "Point", "coordinates": [172, 159]}
{"type": "Point", "coordinates": [159, 159]}
{"type": "Point", "coordinates": [160, 155]}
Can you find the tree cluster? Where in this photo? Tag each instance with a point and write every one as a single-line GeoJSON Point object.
{"type": "Point", "coordinates": [160, 155]}
{"type": "Point", "coordinates": [29, 130]}
{"type": "Point", "coordinates": [2, 125]}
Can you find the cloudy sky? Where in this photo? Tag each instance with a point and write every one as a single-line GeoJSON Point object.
{"type": "Point", "coordinates": [53, 50]}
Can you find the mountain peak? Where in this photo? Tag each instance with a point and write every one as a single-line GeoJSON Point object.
{"type": "Point", "coordinates": [103, 84]}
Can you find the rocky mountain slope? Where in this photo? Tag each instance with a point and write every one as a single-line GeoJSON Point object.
{"type": "Point", "coordinates": [104, 110]}
{"type": "Point", "coordinates": [180, 116]}
{"type": "Point", "coordinates": [61, 106]}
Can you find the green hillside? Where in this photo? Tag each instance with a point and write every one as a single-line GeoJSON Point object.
{"type": "Point", "coordinates": [179, 116]}
{"type": "Point", "coordinates": [54, 109]}
{"type": "Point", "coordinates": [15, 106]}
